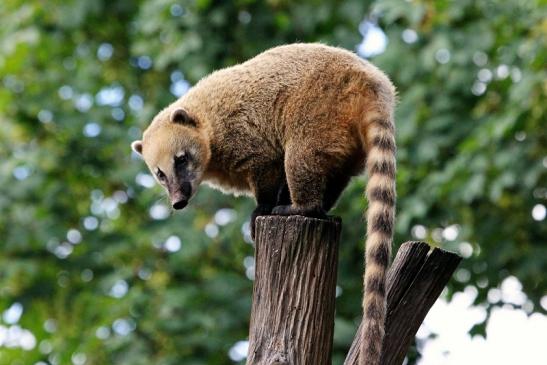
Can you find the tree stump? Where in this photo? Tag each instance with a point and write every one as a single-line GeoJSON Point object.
{"type": "Point", "coordinates": [292, 317]}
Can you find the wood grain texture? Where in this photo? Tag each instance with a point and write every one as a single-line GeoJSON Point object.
{"type": "Point", "coordinates": [415, 281]}
{"type": "Point", "coordinates": [292, 318]}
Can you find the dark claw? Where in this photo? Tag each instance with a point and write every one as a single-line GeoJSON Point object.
{"type": "Point", "coordinates": [313, 212]}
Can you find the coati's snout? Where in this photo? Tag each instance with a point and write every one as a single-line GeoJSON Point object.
{"type": "Point", "coordinates": [180, 204]}
{"type": "Point", "coordinates": [180, 195]}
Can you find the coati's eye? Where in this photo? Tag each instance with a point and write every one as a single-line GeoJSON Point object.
{"type": "Point", "coordinates": [181, 159]}
{"type": "Point", "coordinates": [161, 176]}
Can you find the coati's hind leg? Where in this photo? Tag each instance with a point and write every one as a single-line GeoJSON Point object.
{"type": "Point", "coordinates": [306, 174]}
{"type": "Point", "coordinates": [284, 195]}
{"type": "Point", "coordinates": [335, 185]}
{"type": "Point", "coordinates": [340, 177]}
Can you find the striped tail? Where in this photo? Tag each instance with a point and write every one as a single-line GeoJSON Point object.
{"type": "Point", "coordinates": [381, 195]}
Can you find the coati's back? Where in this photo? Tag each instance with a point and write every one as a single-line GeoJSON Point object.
{"type": "Point", "coordinates": [271, 86]}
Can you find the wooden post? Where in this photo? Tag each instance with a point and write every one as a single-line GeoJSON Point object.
{"type": "Point", "coordinates": [415, 281]}
{"type": "Point", "coordinates": [292, 318]}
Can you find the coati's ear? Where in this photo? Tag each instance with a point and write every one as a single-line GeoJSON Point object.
{"type": "Point", "coordinates": [180, 116]}
{"type": "Point", "coordinates": [137, 147]}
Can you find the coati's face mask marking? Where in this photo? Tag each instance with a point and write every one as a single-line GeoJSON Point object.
{"type": "Point", "coordinates": [176, 156]}
{"type": "Point", "coordinates": [178, 175]}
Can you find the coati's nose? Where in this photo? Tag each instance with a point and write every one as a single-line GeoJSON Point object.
{"type": "Point", "coordinates": [180, 204]}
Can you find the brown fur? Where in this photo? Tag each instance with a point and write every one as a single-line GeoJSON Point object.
{"type": "Point", "coordinates": [290, 127]}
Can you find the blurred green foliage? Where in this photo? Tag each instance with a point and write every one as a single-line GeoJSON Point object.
{"type": "Point", "coordinates": [106, 274]}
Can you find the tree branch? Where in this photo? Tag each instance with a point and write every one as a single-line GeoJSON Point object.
{"type": "Point", "coordinates": [415, 281]}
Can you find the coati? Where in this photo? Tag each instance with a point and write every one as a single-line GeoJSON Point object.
{"type": "Point", "coordinates": [289, 127]}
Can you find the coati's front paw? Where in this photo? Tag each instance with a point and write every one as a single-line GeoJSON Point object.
{"type": "Point", "coordinates": [282, 210]}
{"type": "Point", "coordinates": [310, 211]}
{"type": "Point", "coordinates": [262, 209]}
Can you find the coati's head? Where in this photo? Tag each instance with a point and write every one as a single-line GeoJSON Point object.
{"type": "Point", "coordinates": [177, 153]}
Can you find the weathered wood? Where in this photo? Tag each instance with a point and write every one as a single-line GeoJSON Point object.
{"type": "Point", "coordinates": [292, 318]}
{"type": "Point", "coordinates": [415, 280]}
